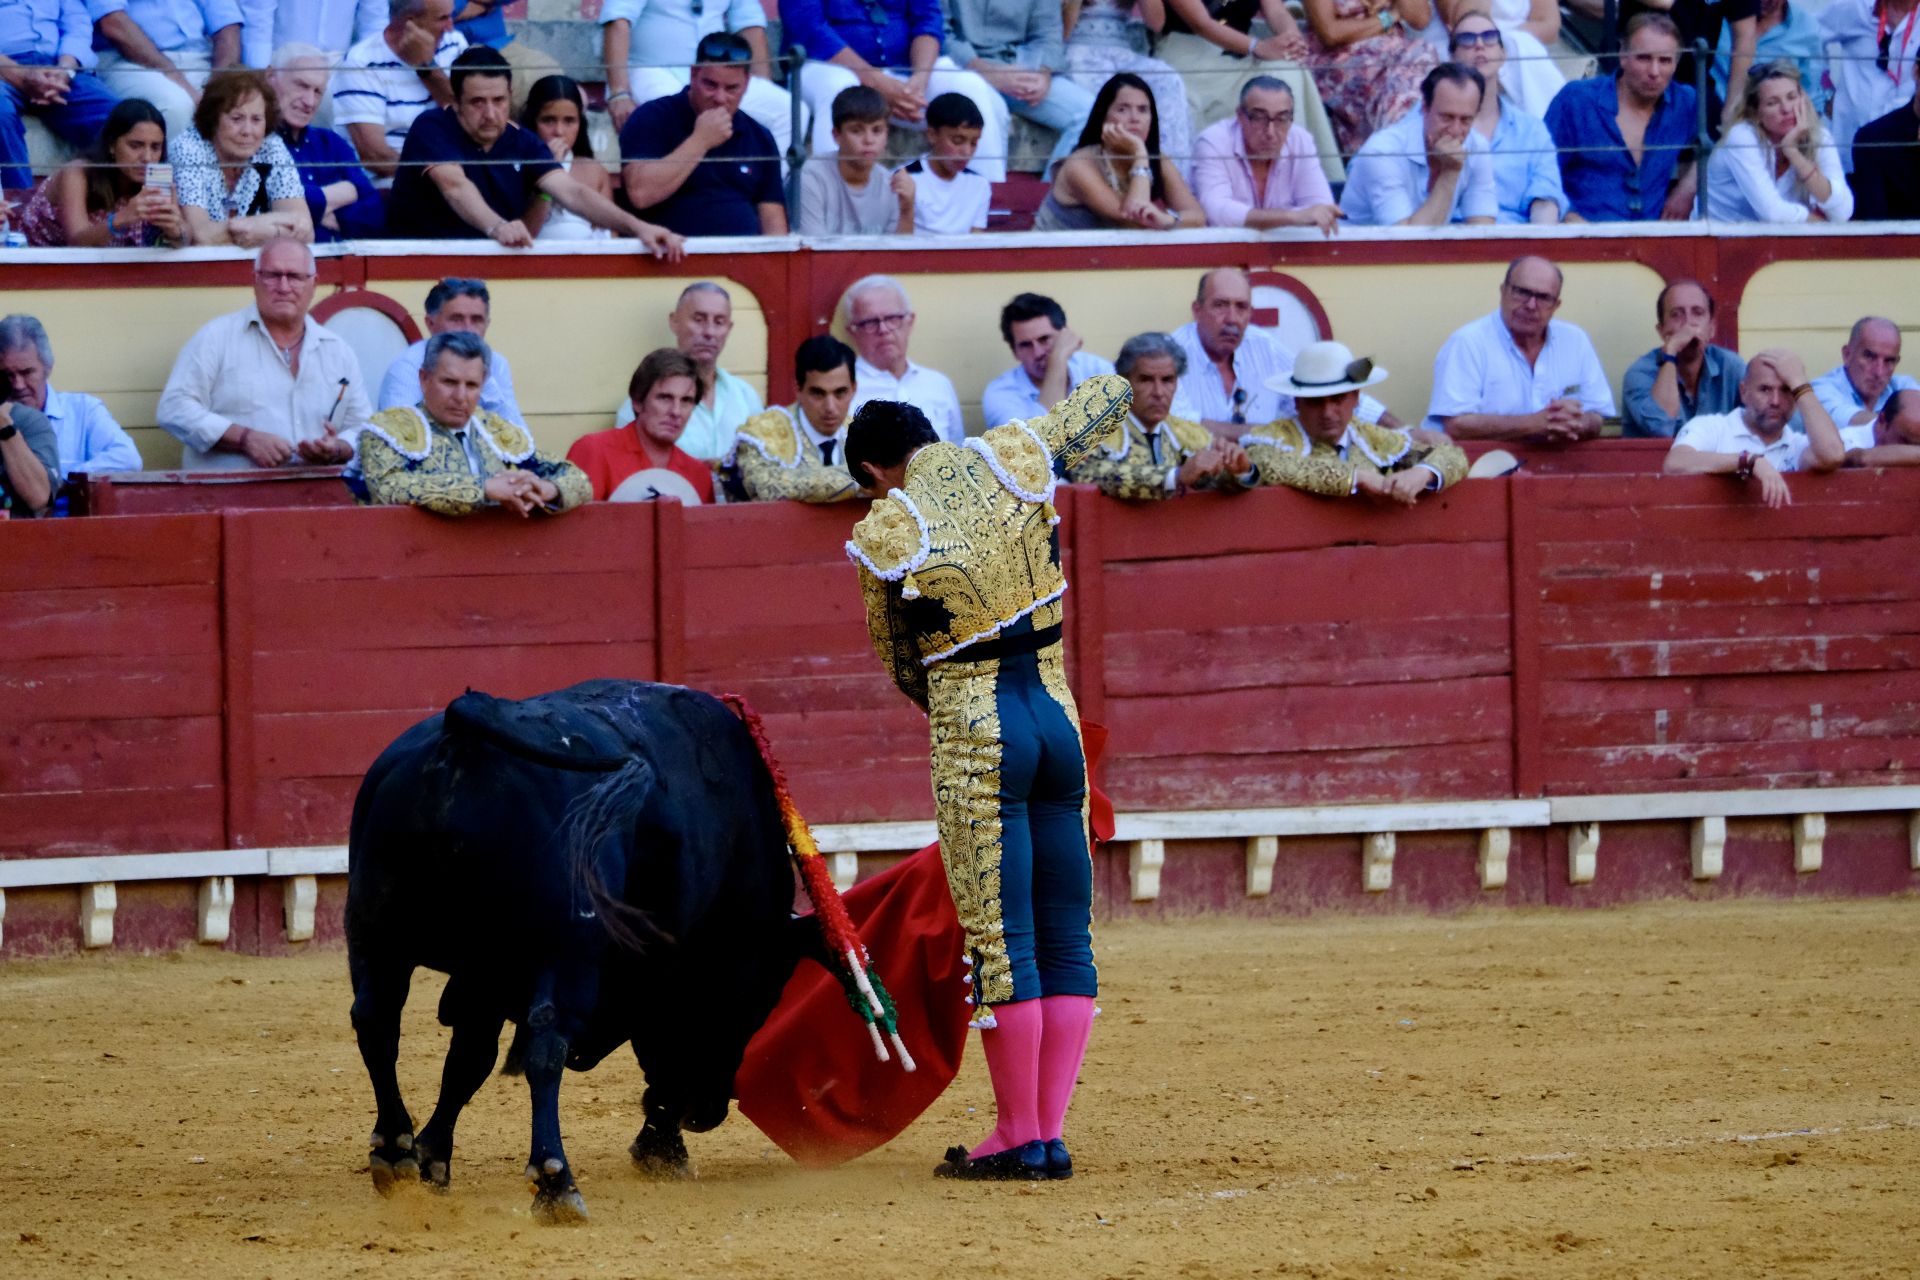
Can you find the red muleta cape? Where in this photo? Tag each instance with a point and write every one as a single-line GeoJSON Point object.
{"type": "Point", "coordinates": [810, 1080]}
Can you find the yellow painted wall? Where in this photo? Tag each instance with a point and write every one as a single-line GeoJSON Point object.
{"type": "Point", "coordinates": [1808, 307]}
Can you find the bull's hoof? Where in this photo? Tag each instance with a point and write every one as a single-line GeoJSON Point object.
{"type": "Point", "coordinates": [393, 1164]}
{"type": "Point", "coordinates": [556, 1200]}
{"type": "Point", "coordinates": [661, 1153]}
{"type": "Point", "coordinates": [436, 1166]}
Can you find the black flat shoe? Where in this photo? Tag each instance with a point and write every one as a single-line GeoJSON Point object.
{"type": "Point", "coordinates": [1026, 1163]}
{"type": "Point", "coordinates": [1059, 1161]}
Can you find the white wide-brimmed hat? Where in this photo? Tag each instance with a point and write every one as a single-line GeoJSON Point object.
{"type": "Point", "coordinates": [1326, 369]}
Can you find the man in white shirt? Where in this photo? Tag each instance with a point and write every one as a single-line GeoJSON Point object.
{"type": "Point", "coordinates": [1430, 167]}
{"type": "Point", "coordinates": [266, 386]}
{"type": "Point", "coordinates": [1755, 441]}
{"type": "Point", "coordinates": [333, 25]}
{"type": "Point", "coordinates": [88, 438]}
{"type": "Point", "coordinates": [162, 50]}
{"type": "Point", "coordinates": [1896, 434]}
{"type": "Point", "coordinates": [880, 321]}
{"type": "Point", "coordinates": [702, 321]}
{"type": "Point", "coordinates": [392, 76]}
{"type": "Point", "coordinates": [1231, 361]}
{"type": "Point", "coordinates": [454, 305]}
{"type": "Point", "coordinates": [1519, 374]}
{"type": "Point", "coordinates": [1050, 358]}
{"type": "Point", "coordinates": [1854, 391]}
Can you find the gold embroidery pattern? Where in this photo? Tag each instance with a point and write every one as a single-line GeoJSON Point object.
{"type": "Point", "coordinates": [1286, 455]}
{"type": "Point", "coordinates": [964, 721]}
{"type": "Point", "coordinates": [1128, 470]}
{"type": "Point", "coordinates": [892, 638]}
{"type": "Point", "coordinates": [767, 453]}
{"type": "Point", "coordinates": [441, 481]}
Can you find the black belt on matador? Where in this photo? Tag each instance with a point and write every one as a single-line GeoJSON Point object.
{"type": "Point", "coordinates": [1004, 646]}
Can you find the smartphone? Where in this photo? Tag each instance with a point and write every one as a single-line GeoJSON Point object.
{"type": "Point", "coordinates": [160, 175]}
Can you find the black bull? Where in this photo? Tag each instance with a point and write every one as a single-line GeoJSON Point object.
{"type": "Point", "coordinates": [598, 865]}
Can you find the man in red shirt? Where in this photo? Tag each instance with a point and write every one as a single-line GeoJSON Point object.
{"type": "Point", "coordinates": [664, 390]}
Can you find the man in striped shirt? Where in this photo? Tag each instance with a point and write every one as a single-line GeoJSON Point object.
{"type": "Point", "coordinates": [392, 76]}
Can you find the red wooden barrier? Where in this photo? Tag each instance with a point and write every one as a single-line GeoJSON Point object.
{"type": "Point", "coordinates": [148, 493]}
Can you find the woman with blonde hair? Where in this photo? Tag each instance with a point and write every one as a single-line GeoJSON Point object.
{"type": "Point", "coordinates": [1776, 162]}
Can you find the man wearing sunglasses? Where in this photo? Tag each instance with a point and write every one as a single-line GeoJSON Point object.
{"type": "Point", "coordinates": [879, 323]}
{"type": "Point", "coordinates": [1519, 374]}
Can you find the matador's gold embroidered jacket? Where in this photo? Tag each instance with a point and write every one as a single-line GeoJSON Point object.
{"type": "Point", "coordinates": [406, 460]}
{"type": "Point", "coordinates": [1136, 466]}
{"type": "Point", "coordinates": [967, 547]}
{"type": "Point", "coordinates": [1285, 454]}
{"type": "Point", "coordinates": [775, 460]}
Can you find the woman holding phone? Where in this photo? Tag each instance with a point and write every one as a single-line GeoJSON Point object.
{"type": "Point", "coordinates": [105, 198]}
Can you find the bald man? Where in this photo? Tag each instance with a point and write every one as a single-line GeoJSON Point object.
{"type": "Point", "coordinates": [1854, 392]}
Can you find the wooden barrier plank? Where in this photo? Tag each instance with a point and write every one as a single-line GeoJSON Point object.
{"type": "Point", "coordinates": [1785, 655]}
{"type": "Point", "coordinates": [66, 823]}
{"type": "Point", "coordinates": [1270, 720]}
{"type": "Point", "coordinates": [1795, 723]}
{"type": "Point", "coordinates": [1575, 696]}
{"type": "Point", "coordinates": [111, 754]}
{"type": "Point", "coordinates": [1718, 766]}
{"type": "Point", "coordinates": [1721, 493]}
{"type": "Point", "coordinates": [85, 555]}
{"type": "Point", "coordinates": [1601, 624]}
{"type": "Point", "coordinates": [1419, 649]}
{"type": "Point", "coordinates": [107, 686]}
{"type": "Point", "coordinates": [109, 620]}
{"type": "Point", "coordinates": [476, 611]}
{"type": "Point", "coordinates": [302, 546]}
{"type": "Point", "coordinates": [770, 533]}
{"type": "Point", "coordinates": [330, 744]}
{"type": "Point", "coordinates": [753, 597]}
{"type": "Point", "coordinates": [1280, 519]}
{"type": "Point", "coordinates": [303, 811]}
{"type": "Point", "coordinates": [837, 646]}
{"type": "Point", "coordinates": [1831, 568]}
{"type": "Point", "coordinates": [333, 680]}
{"type": "Point", "coordinates": [1469, 770]}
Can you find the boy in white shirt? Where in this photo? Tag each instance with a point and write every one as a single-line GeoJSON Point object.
{"type": "Point", "coordinates": [846, 193]}
{"type": "Point", "coordinates": [949, 198]}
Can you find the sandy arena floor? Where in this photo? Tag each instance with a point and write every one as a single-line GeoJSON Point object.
{"type": "Point", "coordinates": [1670, 1091]}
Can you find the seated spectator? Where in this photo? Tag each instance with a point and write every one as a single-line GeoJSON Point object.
{"type": "Point", "coordinates": [1783, 32]}
{"type": "Point", "coordinates": [1701, 22]}
{"type": "Point", "coordinates": [1257, 168]}
{"type": "Point", "coordinates": [845, 192]}
{"type": "Point", "coordinates": [1758, 441]}
{"type": "Point", "coordinates": [1431, 167]}
{"type": "Point", "coordinates": [556, 114]}
{"type": "Point", "coordinates": [266, 385]}
{"type": "Point", "coordinates": [469, 172]}
{"type": "Point", "coordinates": [1872, 45]}
{"type": "Point", "coordinates": [454, 458]}
{"type": "Point", "coordinates": [1105, 37]}
{"type": "Point", "coordinates": [1886, 166]}
{"type": "Point", "coordinates": [702, 321]}
{"type": "Point", "coordinates": [484, 22]}
{"type": "Point", "coordinates": [1603, 181]}
{"type": "Point", "coordinates": [236, 178]}
{"type": "Point", "coordinates": [29, 461]}
{"type": "Point", "coordinates": [87, 439]}
{"type": "Point", "coordinates": [950, 197]}
{"type": "Point", "coordinates": [649, 48]}
{"type": "Point", "coordinates": [1368, 60]}
{"type": "Point", "coordinates": [698, 165]}
{"type": "Point", "coordinates": [162, 50]}
{"type": "Point", "coordinates": [1117, 176]}
{"type": "Point", "coordinates": [1532, 75]}
{"type": "Point", "coordinates": [342, 202]}
{"type": "Point", "coordinates": [1159, 455]}
{"type": "Point", "coordinates": [102, 199]}
{"type": "Point", "coordinates": [1049, 361]}
{"type": "Point", "coordinates": [1686, 376]}
{"type": "Point", "coordinates": [879, 319]}
{"type": "Point", "coordinates": [1896, 435]}
{"type": "Point", "coordinates": [1325, 449]}
{"type": "Point", "coordinates": [1857, 389]}
{"type": "Point", "coordinates": [1021, 55]}
{"type": "Point", "coordinates": [46, 61]}
{"type": "Point", "coordinates": [1231, 362]}
{"type": "Point", "coordinates": [663, 392]}
{"type": "Point", "coordinates": [392, 77]}
{"type": "Point", "coordinates": [892, 46]}
{"type": "Point", "coordinates": [454, 305]}
{"type": "Point", "coordinates": [1776, 163]}
{"type": "Point", "coordinates": [799, 453]}
{"type": "Point", "coordinates": [324, 24]}
{"type": "Point", "coordinates": [1526, 174]}
{"type": "Point", "coordinates": [1519, 374]}
{"type": "Point", "coordinates": [1212, 45]}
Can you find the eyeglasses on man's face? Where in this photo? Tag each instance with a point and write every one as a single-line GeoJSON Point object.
{"type": "Point", "coordinates": [1264, 119]}
{"type": "Point", "coordinates": [877, 324]}
{"type": "Point", "coordinates": [1523, 294]}
{"type": "Point", "coordinates": [282, 277]}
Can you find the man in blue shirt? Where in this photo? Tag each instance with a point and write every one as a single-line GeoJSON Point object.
{"type": "Point", "coordinates": [1626, 140]}
{"type": "Point", "coordinates": [1686, 375]}
{"type": "Point", "coordinates": [85, 434]}
{"type": "Point", "coordinates": [649, 47]}
{"type": "Point", "coordinates": [46, 55]}
{"type": "Point", "coordinates": [341, 198]}
{"type": "Point", "coordinates": [894, 47]}
{"type": "Point", "coordinates": [695, 162]}
{"type": "Point", "coordinates": [485, 22]}
{"type": "Point", "coordinates": [469, 171]}
{"type": "Point", "coordinates": [162, 50]}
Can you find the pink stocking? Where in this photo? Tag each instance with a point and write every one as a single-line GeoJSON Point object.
{"type": "Point", "coordinates": [1066, 1022]}
{"type": "Point", "coordinates": [1013, 1063]}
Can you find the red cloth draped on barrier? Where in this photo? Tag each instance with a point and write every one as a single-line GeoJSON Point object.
{"type": "Point", "coordinates": [810, 1080]}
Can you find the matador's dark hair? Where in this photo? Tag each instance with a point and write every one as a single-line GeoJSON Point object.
{"type": "Point", "coordinates": [883, 434]}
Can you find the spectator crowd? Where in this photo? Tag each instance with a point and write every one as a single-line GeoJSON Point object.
{"type": "Point", "coordinates": [208, 122]}
{"type": "Point", "coordinates": [1220, 403]}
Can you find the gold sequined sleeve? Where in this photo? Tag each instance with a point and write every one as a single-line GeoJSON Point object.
{"type": "Point", "coordinates": [1321, 473]}
{"type": "Point", "coordinates": [1136, 477]}
{"type": "Point", "coordinates": [768, 481]}
{"type": "Point", "coordinates": [1095, 415]}
{"type": "Point", "coordinates": [1450, 460]}
{"type": "Point", "coordinates": [575, 489]}
{"type": "Point", "coordinates": [892, 640]}
{"type": "Point", "coordinates": [392, 481]}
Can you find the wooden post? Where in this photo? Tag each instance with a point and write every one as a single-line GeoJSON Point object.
{"type": "Point", "coordinates": [1809, 842]}
{"type": "Point", "coordinates": [1523, 572]}
{"type": "Point", "coordinates": [670, 591]}
{"type": "Point", "coordinates": [216, 909]}
{"type": "Point", "coordinates": [1709, 845]}
{"type": "Point", "coordinates": [1376, 862]}
{"type": "Point", "coordinates": [300, 896]}
{"type": "Point", "coordinates": [97, 903]}
{"type": "Point", "coordinates": [1144, 860]}
{"type": "Point", "coordinates": [844, 869]}
{"type": "Point", "coordinates": [1262, 853]}
{"type": "Point", "coordinates": [236, 636]}
{"type": "Point", "coordinates": [1583, 852]}
{"type": "Point", "coordinates": [1495, 844]}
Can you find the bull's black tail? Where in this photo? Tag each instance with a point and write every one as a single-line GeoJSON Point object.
{"type": "Point", "coordinates": [608, 812]}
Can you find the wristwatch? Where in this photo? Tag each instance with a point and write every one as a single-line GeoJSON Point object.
{"type": "Point", "coordinates": [1663, 356]}
{"type": "Point", "coordinates": [8, 432]}
{"type": "Point", "coordinates": [1743, 470]}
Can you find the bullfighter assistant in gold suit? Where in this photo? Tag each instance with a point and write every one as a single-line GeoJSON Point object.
{"type": "Point", "coordinates": [960, 566]}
